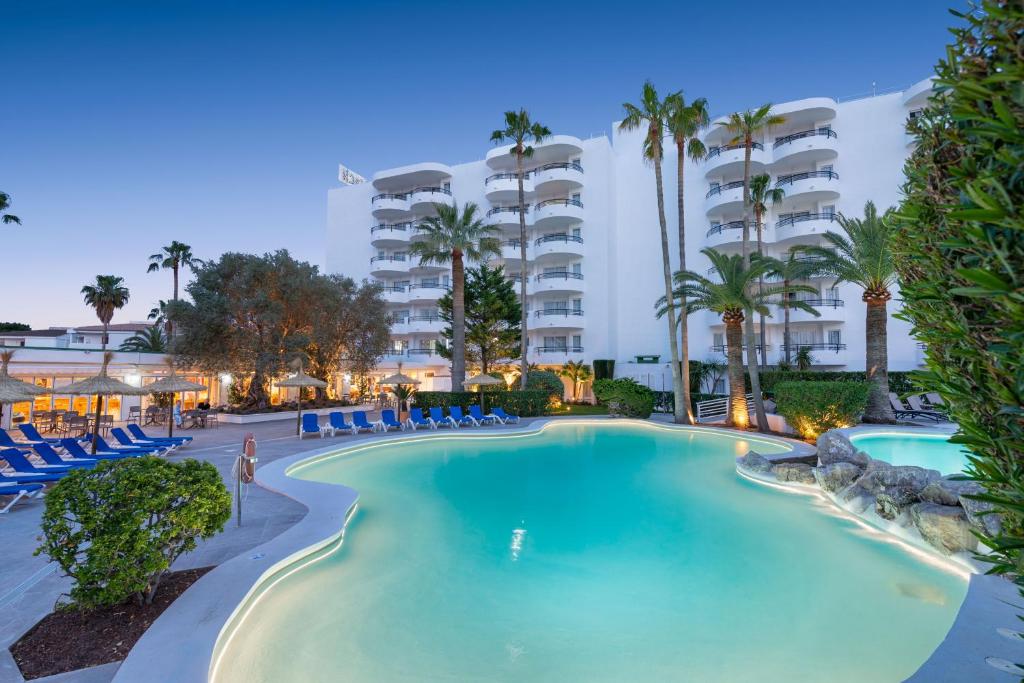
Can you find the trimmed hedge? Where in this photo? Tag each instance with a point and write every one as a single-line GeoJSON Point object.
{"type": "Point", "coordinates": [899, 382]}
{"type": "Point", "coordinates": [445, 399]}
{"type": "Point", "coordinates": [812, 408]}
{"type": "Point", "coordinates": [633, 399]}
{"type": "Point", "coordinates": [522, 403]}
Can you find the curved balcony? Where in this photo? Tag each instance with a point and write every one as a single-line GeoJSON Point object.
{"type": "Point", "coordinates": [807, 147]}
{"type": "Point", "coordinates": [729, 160]}
{"type": "Point", "coordinates": [424, 198]}
{"type": "Point", "coordinates": [557, 213]}
{"type": "Point", "coordinates": [550, 149]}
{"type": "Point", "coordinates": [801, 226]}
{"type": "Point", "coordinates": [508, 216]}
{"type": "Point", "coordinates": [414, 175]}
{"type": "Point", "coordinates": [723, 197]}
{"type": "Point", "coordinates": [389, 206]}
{"type": "Point", "coordinates": [558, 178]}
{"type": "Point", "coordinates": [558, 319]}
{"type": "Point", "coordinates": [830, 310]}
{"type": "Point", "coordinates": [917, 95]}
{"type": "Point", "coordinates": [731, 233]}
{"type": "Point", "coordinates": [419, 294]}
{"type": "Point", "coordinates": [418, 267]}
{"type": "Point", "coordinates": [389, 265]}
{"type": "Point", "coordinates": [504, 187]}
{"type": "Point", "coordinates": [561, 282]}
{"type": "Point", "coordinates": [517, 281]}
{"type": "Point", "coordinates": [424, 355]}
{"type": "Point", "coordinates": [812, 186]}
{"type": "Point", "coordinates": [395, 294]}
{"type": "Point", "coordinates": [555, 354]}
{"type": "Point", "coordinates": [557, 245]}
{"type": "Point", "coordinates": [511, 252]}
{"type": "Point", "coordinates": [822, 353]}
{"type": "Point", "coordinates": [390, 234]}
{"type": "Point", "coordinates": [422, 324]}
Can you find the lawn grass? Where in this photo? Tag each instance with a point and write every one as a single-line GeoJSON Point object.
{"type": "Point", "coordinates": [579, 409]}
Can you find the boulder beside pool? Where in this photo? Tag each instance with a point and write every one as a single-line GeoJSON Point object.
{"type": "Point", "coordinates": [944, 527]}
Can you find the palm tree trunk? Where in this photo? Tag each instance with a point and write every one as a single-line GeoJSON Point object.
{"type": "Point", "coordinates": [524, 314]}
{"type": "Point", "coordinates": [684, 336]}
{"type": "Point", "coordinates": [458, 321]}
{"type": "Point", "coordinates": [755, 379]}
{"type": "Point", "coordinates": [760, 288]}
{"type": "Point", "coordinates": [170, 324]}
{"type": "Point", "coordinates": [679, 409]}
{"type": "Point", "coordinates": [877, 358]}
{"type": "Point", "coordinates": [99, 398]}
{"type": "Point", "coordinates": [737, 416]}
{"type": "Point", "coordinates": [785, 314]}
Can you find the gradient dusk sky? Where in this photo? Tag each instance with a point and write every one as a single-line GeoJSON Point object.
{"type": "Point", "coordinates": [130, 124]}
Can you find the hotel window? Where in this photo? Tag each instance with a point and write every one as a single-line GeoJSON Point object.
{"type": "Point", "coordinates": [719, 339]}
{"type": "Point", "coordinates": [577, 268]}
{"type": "Point", "coordinates": [577, 305]}
{"type": "Point", "coordinates": [834, 337]}
{"type": "Point", "coordinates": [829, 210]}
{"type": "Point", "coordinates": [575, 232]}
{"type": "Point", "coordinates": [577, 341]}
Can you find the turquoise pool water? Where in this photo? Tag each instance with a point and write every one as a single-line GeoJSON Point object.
{"type": "Point", "coordinates": [589, 553]}
{"type": "Point", "coordinates": [932, 451]}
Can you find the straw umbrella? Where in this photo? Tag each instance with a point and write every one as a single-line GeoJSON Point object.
{"type": "Point", "coordinates": [14, 389]}
{"type": "Point", "coordinates": [480, 381]}
{"type": "Point", "coordinates": [172, 384]}
{"type": "Point", "coordinates": [301, 379]}
{"type": "Point", "coordinates": [99, 386]}
{"type": "Point", "coordinates": [399, 380]}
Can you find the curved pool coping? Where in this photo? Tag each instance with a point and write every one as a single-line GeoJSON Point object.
{"type": "Point", "coordinates": [184, 643]}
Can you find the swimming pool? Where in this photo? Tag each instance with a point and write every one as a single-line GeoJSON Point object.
{"type": "Point", "coordinates": [931, 451]}
{"type": "Point", "coordinates": [588, 553]}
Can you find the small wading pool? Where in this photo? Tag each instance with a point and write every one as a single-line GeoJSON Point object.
{"type": "Point", "coordinates": [931, 451]}
{"type": "Point", "coordinates": [618, 552]}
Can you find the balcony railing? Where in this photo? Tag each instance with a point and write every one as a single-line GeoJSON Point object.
{"type": "Point", "coordinates": [388, 195]}
{"type": "Point", "coordinates": [390, 257]}
{"type": "Point", "coordinates": [423, 319]}
{"type": "Point", "coordinates": [559, 202]}
{"type": "Point", "coordinates": [715, 151]}
{"type": "Point", "coordinates": [559, 275]}
{"type": "Point", "coordinates": [719, 189]}
{"type": "Point", "coordinates": [505, 176]}
{"type": "Point", "coordinates": [432, 190]}
{"type": "Point", "coordinates": [564, 312]}
{"type": "Point", "coordinates": [722, 348]}
{"type": "Point", "coordinates": [557, 238]}
{"type": "Point", "coordinates": [422, 352]}
{"type": "Point", "coordinates": [507, 209]}
{"type": "Point", "coordinates": [558, 349]}
{"type": "Point", "coordinates": [567, 166]}
{"type": "Point", "coordinates": [430, 285]}
{"type": "Point", "coordinates": [786, 139]}
{"type": "Point", "coordinates": [817, 346]}
{"type": "Point", "coordinates": [732, 225]}
{"type": "Point", "coordinates": [801, 217]}
{"type": "Point", "coordinates": [394, 288]}
{"type": "Point", "coordinates": [833, 303]}
{"type": "Point", "coordinates": [789, 179]}
{"type": "Point", "coordinates": [390, 226]}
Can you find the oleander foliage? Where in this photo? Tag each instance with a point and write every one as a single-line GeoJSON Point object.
{"type": "Point", "coordinates": [960, 256]}
{"type": "Point", "coordinates": [629, 398]}
{"type": "Point", "coordinates": [118, 528]}
{"type": "Point", "coordinates": [812, 408]}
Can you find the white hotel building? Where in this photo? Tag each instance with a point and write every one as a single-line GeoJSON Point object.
{"type": "Point", "coordinates": [594, 269]}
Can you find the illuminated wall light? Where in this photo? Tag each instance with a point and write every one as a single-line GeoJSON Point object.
{"type": "Point", "coordinates": [225, 377]}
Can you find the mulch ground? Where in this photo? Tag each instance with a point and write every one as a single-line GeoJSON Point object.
{"type": "Point", "coordinates": [69, 640]}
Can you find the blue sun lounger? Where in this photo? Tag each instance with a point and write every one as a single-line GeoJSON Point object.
{"type": "Point", "coordinates": [137, 432]}
{"type": "Point", "coordinates": [20, 463]}
{"type": "Point", "coordinates": [478, 415]}
{"type": "Point", "coordinates": [19, 491]}
{"type": "Point", "coordinates": [7, 442]}
{"type": "Point", "coordinates": [457, 416]}
{"type": "Point", "coordinates": [51, 457]}
{"type": "Point", "coordinates": [311, 425]}
{"type": "Point", "coordinates": [416, 419]}
{"type": "Point", "coordinates": [360, 422]}
{"type": "Point", "coordinates": [32, 434]}
{"type": "Point", "coordinates": [336, 423]}
{"type": "Point", "coordinates": [441, 420]}
{"type": "Point", "coordinates": [503, 417]}
{"type": "Point", "coordinates": [76, 450]}
{"type": "Point", "coordinates": [124, 440]}
{"type": "Point", "coordinates": [102, 445]}
{"type": "Point", "coordinates": [387, 420]}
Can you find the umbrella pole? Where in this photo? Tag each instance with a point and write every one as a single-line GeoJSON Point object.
{"type": "Point", "coordinates": [298, 418]}
{"type": "Point", "coordinates": [170, 417]}
{"type": "Point", "coordinates": [96, 425]}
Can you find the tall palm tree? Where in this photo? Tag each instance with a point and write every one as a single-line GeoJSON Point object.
{"type": "Point", "coordinates": [105, 296]}
{"type": "Point", "coordinates": [863, 256]}
{"type": "Point", "coordinates": [158, 314]}
{"type": "Point", "coordinates": [450, 237]}
{"type": "Point", "coordinates": [761, 195]}
{"type": "Point", "coordinates": [518, 130]}
{"type": "Point", "coordinates": [577, 372]}
{"type": "Point", "coordinates": [173, 257]}
{"type": "Point", "coordinates": [149, 340]}
{"type": "Point", "coordinates": [5, 203]}
{"type": "Point", "coordinates": [789, 270]}
{"type": "Point", "coordinates": [731, 297]}
{"type": "Point", "coordinates": [744, 127]}
{"type": "Point", "coordinates": [685, 122]}
{"type": "Point", "coordinates": [653, 113]}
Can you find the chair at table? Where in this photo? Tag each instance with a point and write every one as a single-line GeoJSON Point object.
{"type": "Point", "coordinates": [134, 415]}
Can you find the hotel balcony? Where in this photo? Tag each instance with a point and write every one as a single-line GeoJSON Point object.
{"type": "Point", "coordinates": [418, 324]}
{"type": "Point", "coordinates": [390, 234]}
{"type": "Point", "coordinates": [390, 265]}
{"type": "Point", "coordinates": [728, 160]}
{"type": "Point", "coordinates": [511, 252]}
{"type": "Point", "coordinates": [424, 198]}
{"type": "Point", "coordinates": [823, 353]}
{"type": "Point", "coordinates": [830, 310]}
{"type": "Point", "coordinates": [425, 356]}
{"type": "Point", "coordinates": [723, 350]}
{"type": "Point", "coordinates": [395, 294]}
{"type": "Point", "coordinates": [557, 213]}
{"type": "Point", "coordinates": [554, 148]}
{"type": "Point", "coordinates": [810, 186]}
{"type": "Point", "coordinates": [731, 234]}
{"type": "Point", "coordinates": [807, 147]}
{"type": "Point", "coordinates": [555, 354]}
{"type": "Point", "coordinates": [389, 207]}
{"type": "Point", "coordinates": [724, 197]}
{"type": "Point", "coordinates": [507, 217]}
{"type": "Point", "coordinates": [557, 319]}
{"type": "Point", "coordinates": [504, 187]}
{"type": "Point", "coordinates": [420, 294]}
{"type": "Point", "coordinates": [557, 246]}
{"type": "Point", "coordinates": [561, 282]}
{"type": "Point", "coordinates": [799, 227]}
{"type": "Point", "coordinates": [413, 175]}
{"type": "Point", "coordinates": [558, 178]}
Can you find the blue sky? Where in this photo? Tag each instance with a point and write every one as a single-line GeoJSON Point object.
{"type": "Point", "coordinates": [126, 125]}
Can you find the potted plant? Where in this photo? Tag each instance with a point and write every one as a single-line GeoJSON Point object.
{"type": "Point", "coordinates": [403, 392]}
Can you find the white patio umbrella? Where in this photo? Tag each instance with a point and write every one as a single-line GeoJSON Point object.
{"type": "Point", "coordinates": [99, 386]}
{"type": "Point", "coordinates": [301, 379]}
{"type": "Point", "coordinates": [172, 384]}
{"type": "Point", "coordinates": [481, 381]}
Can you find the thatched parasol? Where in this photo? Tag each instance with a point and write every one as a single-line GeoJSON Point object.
{"type": "Point", "coordinates": [301, 379]}
{"type": "Point", "coordinates": [99, 386]}
{"type": "Point", "coordinates": [13, 390]}
{"type": "Point", "coordinates": [398, 379]}
{"type": "Point", "coordinates": [481, 381]}
{"type": "Point", "coordinates": [172, 384]}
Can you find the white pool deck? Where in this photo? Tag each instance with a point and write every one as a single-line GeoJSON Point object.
{"type": "Point", "coordinates": [278, 530]}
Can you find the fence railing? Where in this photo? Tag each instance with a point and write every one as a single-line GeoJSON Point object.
{"type": "Point", "coordinates": [716, 409]}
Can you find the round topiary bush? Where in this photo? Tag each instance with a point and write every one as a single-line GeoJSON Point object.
{"type": "Point", "coordinates": [545, 380]}
{"type": "Point", "coordinates": [625, 396]}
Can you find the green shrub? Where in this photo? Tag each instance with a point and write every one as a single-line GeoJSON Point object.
{"type": "Point", "coordinates": [899, 382]}
{"type": "Point", "coordinates": [116, 529]}
{"type": "Point", "coordinates": [445, 399]}
{"type": "Point", "coordinates": [812, 408]}
{"type": "Point", "coordinates": [545, 380]}
{"type": "Point", "coordinates": [632, 399]}
{"type": "Point", "coordinates": [604, 369]}
{"type": "Point", "coordinates": [522, 403]}
{"type": "Point", "coordinates": [960, 257]}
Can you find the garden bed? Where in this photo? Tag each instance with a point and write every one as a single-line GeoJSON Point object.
{"type": "Point", "coordinates": [68, 640]}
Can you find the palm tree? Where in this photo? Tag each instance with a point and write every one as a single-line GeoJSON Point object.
{"type": "Point", "coordinates": [863, 256]}
{"type": "Point", "coordinates": [731, 297]}
{"type": "Point", "coordinates": [745, 126]}
{"type": "Point", "coordinates": [5, 203]}
{"type": "Point", "coordinates": [761, 195]}
{"type": "Point", "coordinates": [518, 130]}
{"type": "Point", "coordinates": [173, 257]}
{"type": "Point", "coordinates": [149, 340]}
{"type": "Point", "coordinates": [653, 113]}
{"type": "Point", "coordinates": [158, 314]}
{"type": "Point", "coordinates": [451, 236]}
{"type": "Point", "coordinates": [804, 359]}
{"type": "Point", "coordinates": [791, 269]}
{"type": "Point", "coordinates": [577, 372]}
{"type": "Point", "coordinates": [684, 124]}
{"type": "Point", "coordinates": [105, 296]}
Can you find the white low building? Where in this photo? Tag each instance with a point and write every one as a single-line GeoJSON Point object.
{"type": "Point", "coordinates": [594, 251]}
